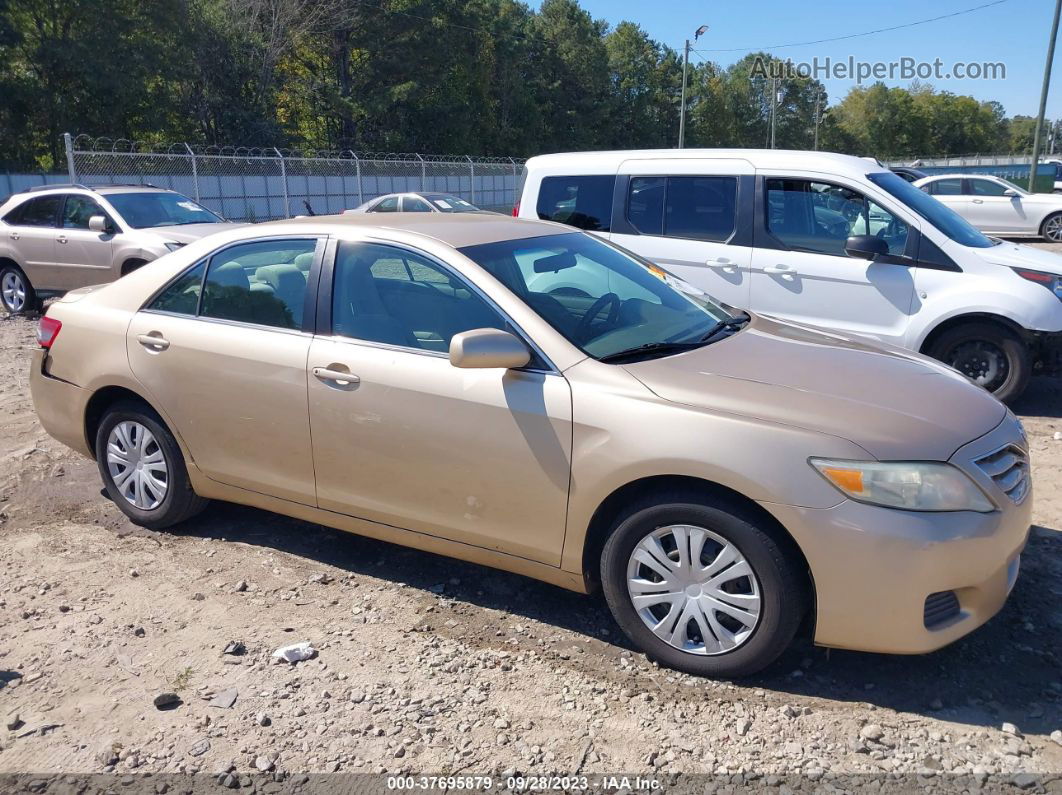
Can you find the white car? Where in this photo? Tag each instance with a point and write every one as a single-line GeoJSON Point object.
{"type": "Point", "coordinates": [822, 239]}
{"type": "Point", "coordinates": [998, 207]}
{"type": "Point", "coordinates": [416, 203]}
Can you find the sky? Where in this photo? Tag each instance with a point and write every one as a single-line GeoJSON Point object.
{"type": "Point", "coordinates": [1014, 32]}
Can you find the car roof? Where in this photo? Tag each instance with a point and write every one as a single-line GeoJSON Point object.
{"type": "Point", "coordinates": [603, 162]}
{"type": "Point", "coordinates": [102, 190]}
{"type": "Point", "coordinates": [456, 229]}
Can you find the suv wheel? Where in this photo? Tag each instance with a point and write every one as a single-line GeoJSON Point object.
{"type": "Point", "coordinates": [989, 355]}
{"type": "Point", "coordinates": [16, 293]}
{"type": "Point", "coordinates": [142, 467]}
{"type": "Point", "coordinates": [1051, 231]}
{"type": "Point", "coordinates": [703, 588]}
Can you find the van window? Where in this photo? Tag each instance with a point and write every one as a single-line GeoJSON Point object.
{"type": "Point", "coordinates": [645, 205]}
{"type": "Point", "coordinates": [582, 202]}
{"type": "Point", "coordinates": [820, 217]}
{"type": "Point", "coordinates": [701, 208]}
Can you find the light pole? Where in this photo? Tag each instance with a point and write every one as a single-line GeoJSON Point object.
{"type": "Point", "coordinates": [685, 67]}
{"type": "Point", "coordinates": [819, 113]}
{"type": "Point", "coordinates": [1043, 97]}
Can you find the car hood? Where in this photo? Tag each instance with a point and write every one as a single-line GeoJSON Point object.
{"type": "Point", "coordinates": [189, 233]}
{"type": "Point", "coordinates": [894, 404]}
{"type": "Point", "coordinates": [1016, 255]}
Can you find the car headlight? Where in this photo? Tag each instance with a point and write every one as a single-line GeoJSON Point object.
{"type": "Point", "coordinates": [1048, 280]}
{"type": "Point", "coordinates": [173, 246]}
{"type": "Point", "coordinates": [910, 485]}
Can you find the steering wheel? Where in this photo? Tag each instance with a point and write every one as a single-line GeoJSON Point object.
{"type": "Point", "coordinates": [582, 331]}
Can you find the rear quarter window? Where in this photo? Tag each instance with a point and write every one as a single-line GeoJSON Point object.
{"type": "Point", "coordinates": [583, 202]}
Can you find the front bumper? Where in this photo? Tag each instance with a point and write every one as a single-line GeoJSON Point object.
{"type": "Point", "coordinates": [874, 568]}
{"type": "Point", "coordinates": [60, 405]}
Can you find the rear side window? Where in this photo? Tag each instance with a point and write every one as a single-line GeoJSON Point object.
{"type": "Point", "coordinates": [582, 202]}
{"type": "Point", "coordinates": [946, 187]}
{"type": "Point", "coordinates": [36, 212]}
{"type": "Point", "coordinates": [388, 205]}
{"type": "Point", "coordinates": [699, 208]}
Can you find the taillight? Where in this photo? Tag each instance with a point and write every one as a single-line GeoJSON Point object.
{"type": "Point", "coordinates": [48, 330]}
{"type": "Point", "coordinates": [1036, 276]}
{"type": "Point", "coordinates": [516, 209]}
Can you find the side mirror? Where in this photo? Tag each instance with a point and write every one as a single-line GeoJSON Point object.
{"type": "Point", "coordinates": [1010, 192]}
{"type": "Point", "coordinates": [484, 348]}
{"type": "Point", "coordinates": [866, 247]}
{"type": "Point", "coordinates": [98, 223]}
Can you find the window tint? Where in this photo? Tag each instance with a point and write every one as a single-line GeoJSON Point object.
{"type": "Point", "coordinates": [645, 205]}
{"type": "Point", "coordinates": [258, 283]}
{"type": "Point", "coordinates": [700, 207]}
{"type": "Point", "coordinates": [182, 297]}
{"type": "Point", "coordinates": [78, 210]}
{"type": "Point", "coordinates": [390, 295]}
{"type": "Point", "coordinates": [819, 217]}
{"type": "Point", "coordinates": [582, 202]}
{"type": "Point", "coordinates": [986, 187]}
{"type": "Point", "coordinates": [946, 187]}
{"type": "Point", "coordinates": [39, 212]}
{"type": "Point", "coordinates": [412, 204]}
{"type": "Point", "coordinates": [388, 205]}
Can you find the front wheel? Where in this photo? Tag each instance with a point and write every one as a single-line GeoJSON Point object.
{"type": "Point", "coordinates": [991, 356]}
{"type": "Point", "coordinates": [16, 292]}
{"type": "Point", "coordinates": [1051, 231]}
{"type": "Point", "coordinates": [143, 469]}
{"type": "Point", "coordinates": [703, 588]}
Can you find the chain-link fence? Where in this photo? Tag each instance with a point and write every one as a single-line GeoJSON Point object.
{"type": "Point", "coordinates": [259, 184]}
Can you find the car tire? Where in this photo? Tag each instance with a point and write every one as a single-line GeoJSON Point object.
{"type": "Point", "coordinates": [990, 355]}
{"type": "Point", "coordinates": [774, 599]}
{"type": "Point", "coordinates": [1051, 228]}
{"type": "Point", "coordinates": [16, 293]}
{"type": "Point", "coordinates": [143, 468]}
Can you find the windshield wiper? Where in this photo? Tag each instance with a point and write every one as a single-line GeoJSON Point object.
{"type": "Point", "coordinates": [723, 325]}
{"type": "Point", "coordinates": [649, 348]}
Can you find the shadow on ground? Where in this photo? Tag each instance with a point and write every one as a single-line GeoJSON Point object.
{"type": "Point", "coordinates": [1009, 670]}
{"type": "Point", "coordinates": [1042, 398]}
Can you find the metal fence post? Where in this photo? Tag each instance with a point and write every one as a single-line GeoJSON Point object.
{"type": "Point", "coordinates": [516, 184]}
{"type": "Point", "coordinates": [284, 182]}
{"type": "Point", "coordinates": [423, 174]}
{"type": "Point", "coordinates": [472, 183]}
{"type": "Point", "coordinates": [195, 174]}
{"type": "Point", "coordinates": [68, 144]}
{"type": "Point", "coordinates": [357, 170]}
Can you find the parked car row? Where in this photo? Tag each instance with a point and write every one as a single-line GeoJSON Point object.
{"type": "Point", "coordinates": [593, 406]}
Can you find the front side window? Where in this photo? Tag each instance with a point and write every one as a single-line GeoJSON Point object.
{"type": "Point", "coordinates": [820, 217]}
{"type": "Point", "coordinates": [77, 210]}
{"type": "Point", "coordinates": [944, 219]}
{"type": "Point", "coordinates": [391, 295]}
{"type": "Point", "coordinates": [600, 298]}
{"type": "Point", "coordinates": [146, 210]}
{"type": "Point", "coordinates": [989, 187]}
{"type": "Point", "coordinates": [257, 283]}
{"type": "Point", "coordinates": [36, 212]}
{"type": "Point", "coordinates": [582, 202]}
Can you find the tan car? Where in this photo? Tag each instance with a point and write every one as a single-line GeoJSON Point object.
{"type": "Point", "coordinates": [523, 396]}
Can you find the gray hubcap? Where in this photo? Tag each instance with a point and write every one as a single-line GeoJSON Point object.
{"type": "Point", "coordinates": [694, 589]}
{"type": "Point", "coordinates": [13, 289]}
{"type": "Point", "coordinates": [1053, 229]}
{"type": "Point", "coordinates": [137, 465]}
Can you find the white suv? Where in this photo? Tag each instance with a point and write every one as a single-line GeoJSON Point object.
{"type": "Point", "coordinates": [59, 237]}
{"type": "Point", "coordinates": [822, 239]}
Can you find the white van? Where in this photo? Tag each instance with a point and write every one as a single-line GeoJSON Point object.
{"type": "Point", "coordinates": [823, 239]}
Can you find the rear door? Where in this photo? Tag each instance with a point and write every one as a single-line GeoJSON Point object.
{"type": "Point", "coordinates": [31, 232]}
{"type": "Point", "coordinates": [83, 256]}
{"type": "Point", "coordinates": [686, 216]}
{"type": "Point", "coordinates": [224, 354]}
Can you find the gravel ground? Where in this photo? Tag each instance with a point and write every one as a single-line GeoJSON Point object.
{"type": "Point", "coordinates": [429, 665]}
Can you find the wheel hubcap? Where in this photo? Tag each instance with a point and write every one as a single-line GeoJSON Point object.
{"type": "Point", "coordinates": [14, 291]}
{"type": "Point", "coordinates": [694, 589]}
{"type": "Point", "coordinates": [982, 362]}
{"type": "Point", "coordinates": [1053, 229]}
{"type": "Point", "coordinates": [137, 465]}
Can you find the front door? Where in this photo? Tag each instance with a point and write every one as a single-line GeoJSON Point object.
{"type": "Point", "coordinates": [800, 271]}
{"type": "Point", "coordinates": [82, 256]}
{"type": "Point", "coordinates": [225, 358]}
{"type": "Point", "coordinates": [989, 209]}
{"type": "Point", "coordinates": [481, 457]}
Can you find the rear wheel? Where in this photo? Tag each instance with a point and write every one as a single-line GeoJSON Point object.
{"type": "Point", "coordinates": [142, 467]}
{"type": "Point", "coordinates": [705, 589]}
{"type": "Point", "coordinates": [988, 354]}
{"type": "Point", "coordinates": [16, 292]}
{"type": "Point", "coordinates": [1051, 231]}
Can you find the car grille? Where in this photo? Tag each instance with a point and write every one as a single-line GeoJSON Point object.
{"type": "Point", "coordinates": [940, 607]}
{"type": "Point", "coordinates": [1009, 469]}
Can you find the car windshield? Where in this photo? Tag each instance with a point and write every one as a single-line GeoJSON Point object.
{"type": "Point", "coordinates": [943, 218]}
{"type": "Point", "coordinates": [450, 204]}
{"type": "Point", "coordinates": [603, 299]}
{"type": "Point", "coordinates": [144, 210]}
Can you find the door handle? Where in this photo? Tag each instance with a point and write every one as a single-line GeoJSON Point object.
{"type": "Point", "coordinates": [340, 377]}
{"type": "Point", "coordinates": [978, 201]}
{"type": "Point", "coordinates": [15, 236]}
{"type": "Point", "coordinates": [61, 239]}
{"type": "Point", "coordinates": [155, 341]}
{"type": "Point", "coordinates": [787, 270]}
{"type": "Point", "coordinates": [720, 263]}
